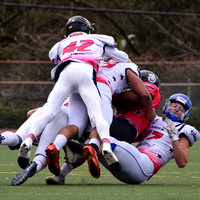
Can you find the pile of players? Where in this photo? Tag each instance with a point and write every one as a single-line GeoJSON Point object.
{"type": "Point", "coordinates": [78, 115]}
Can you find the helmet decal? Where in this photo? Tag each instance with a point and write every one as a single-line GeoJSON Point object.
{"type": "Point", "coordinates": [181, 100]}
{"type": "Point", "coordinates": [152, 78]}
{"type": "Point", "coordinates": [149, 76]}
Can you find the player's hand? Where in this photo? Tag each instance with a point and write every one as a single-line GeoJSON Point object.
{"type": "Point", "coordinates": [171, 130]}
{"type": "Point", "coordinates": [151, 115]}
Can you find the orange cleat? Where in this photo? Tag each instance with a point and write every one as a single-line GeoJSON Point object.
{"type": "Point", "coordinates": [53, 159]}
{"type": "Point", "coordinates": [93, 164]}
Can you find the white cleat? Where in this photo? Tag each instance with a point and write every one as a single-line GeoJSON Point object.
{"type": "Point", "coordinates": [110, 157]}
{"type": "Point", "coordinates": [24, 153]}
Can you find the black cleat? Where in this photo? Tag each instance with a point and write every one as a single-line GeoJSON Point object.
{"type": "Point", "coordinates": [115, 167]}
{"type": "Point", "coordinates": [75, 146]}
{"type": "Point", "coordinates": [28, 172]}
{"type": "Point", "coordinates": [23, 162]}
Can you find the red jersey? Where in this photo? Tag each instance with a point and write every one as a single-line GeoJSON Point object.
{"type": "Point", "coordinates": [138, 117]}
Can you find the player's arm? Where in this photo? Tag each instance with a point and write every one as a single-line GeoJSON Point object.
{"type": "Point", "coordinates": [53, 54]}
{"type": "Point", "coordinates": [140, 89]}
{"type": "Point", "coordinates": [181, 144]}
{"type": "Point", "coordinates": [116, 54]}
{"type": "Point", "coordinates": [127, 101]}
{"type": "Point", "coordinates": [181, 149]}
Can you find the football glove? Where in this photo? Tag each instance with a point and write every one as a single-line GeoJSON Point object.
{"type": "Point", "coordinates": [171, 130]}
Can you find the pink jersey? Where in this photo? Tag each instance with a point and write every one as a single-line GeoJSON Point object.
{"type": "Point", "coordinates": [138, 117]}
{"type": "Point", "coordinates": [115, 74]}
{"type": "Point", "coordinates": [85, 48]}
{"type": "Point", "coordinates": [157, 144]}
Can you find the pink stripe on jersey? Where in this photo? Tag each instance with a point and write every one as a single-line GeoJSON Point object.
{"type": "Point", "coordinates": [102, 79]}
{"type": "Point", "coordinates": [157, 164]}
{"type": "Point", "coordinates": [109, 64]}
{"type": "Point", "coordinates": [93, 60]}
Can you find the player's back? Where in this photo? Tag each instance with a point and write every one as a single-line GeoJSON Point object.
{"type": "Point", "coordinates": [82, 47]}
{"type": "Point", "coordinates": [115, 73]}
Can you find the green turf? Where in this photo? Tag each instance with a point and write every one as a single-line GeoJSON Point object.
{"type": "Point", "coordinates": [169, 183]}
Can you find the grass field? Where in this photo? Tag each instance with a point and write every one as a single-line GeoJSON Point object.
{"type": "Point", "coordinates": [169, 183]}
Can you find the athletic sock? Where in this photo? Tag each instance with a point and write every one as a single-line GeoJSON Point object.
{"type": "Point", "coordinates": [95, 144]}
{"type": "Point", "coordinates": [41, 162]}
{"type": "Point", "coordinates": [60, 141]}
{"type": "Point", "coordinates": [66, 168]}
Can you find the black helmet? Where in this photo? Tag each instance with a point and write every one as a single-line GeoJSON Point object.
{"type": "Point", "coordinates": [149, 76]}
{"type": "Point", "coordinates": [78, 24]}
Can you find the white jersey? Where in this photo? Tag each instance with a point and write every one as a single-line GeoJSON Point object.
{"type": "Point", "coordinates": [115, 74]}
{"type": "Point", "coordinates": [154, 150]}
{"type": "Point", "coordinates": [157, 144]}
{"type": "Point", "coordinates": [85, 48]}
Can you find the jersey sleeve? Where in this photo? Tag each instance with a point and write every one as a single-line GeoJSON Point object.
{"type": "Point", "coordinates": [190, 132]}
{"type": "Point", "coordinates": [110, 48]}
{"type": "Point", "coordinates": [53, 54]}
{"type": "Point", "coordinates": [133, 67]}
{"type": "Point", "coordinates": [116, 54]}
{"type": "Point", "coordinates": [154, 91]}
{"type": "Point", "coordinates": [108, 40]}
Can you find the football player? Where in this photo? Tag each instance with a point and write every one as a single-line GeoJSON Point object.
{"type": "Point", "coordinates": [77, 58]}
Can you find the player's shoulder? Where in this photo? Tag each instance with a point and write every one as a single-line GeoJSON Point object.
{"type": "Point", "coordinates": [108, 64]}
{"type": "Point", "coordinates": [130, 65]}
{"type": "Point", "coordinates": [151, 87]}
{"type": "Point", "coordinates": [191, 128]}
{"type": "Point", "coordinates": [104, 38]}
{"type": "Point", "coordinates": [182, 125]}
{"type": "Point", "coordinates": [189, 131]}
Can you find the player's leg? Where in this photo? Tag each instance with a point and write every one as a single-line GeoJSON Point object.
{"type": "Point", "coordinates": [39, 162]}
{"type": "Point", "coordinates": [59, 93]}
{"type": "Point", "coordinates": [13, 140]}
{"type": "Point", "coordinates": [78, 119]}
{"type": "Point", "coordinates": [91, 98]}
{"type": "Point", "coordinates": [136, 167]}
{"type": "Point", "coordinates": [74, 158]}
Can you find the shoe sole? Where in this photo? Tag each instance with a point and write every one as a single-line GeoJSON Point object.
{"type": "Point", "coordinates": [112, 161]}
{"type": "Point", "coordinates": [53, 181]}
{"type": "Point", "coordinates": [110, 157]}
{"type": "Point", "coordinates": [51, 164]}
{"type": "Point", "coordinates": [93, 163]}
{"type": "Point", "coordinates": [23, 176]}
{"type": "Point", "coordinates": [69, 156]}
{"type": "Point", "coordinates": [20, 178]}
{"type": "Point", "coordinates": [24, 155]}
{"type": "Point", "coordinates": [24, 151]}
{"type": "Point", "coordinates": [23, 162]}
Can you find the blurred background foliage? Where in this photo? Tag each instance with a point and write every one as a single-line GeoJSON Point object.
{"type": "Point", "coordinates": [29, 33]}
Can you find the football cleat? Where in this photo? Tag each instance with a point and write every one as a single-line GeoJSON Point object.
{"type": "Point", "coordinates": [55, 180]}
{"type": "Point", "coordinates": [93, 164]}
{"type": "Point", "coordinates": [1, 138]}
{"type": "Point", "coordinates": [74, 153]}
{"type": "Point", "coordinates": [28, 172]}
{"type": "Point", "coordinates": [53, 159]}
{"type": "Point", "coordinates": [24, 153]}
{"type": "Point", "coordinates": [110, 157]}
